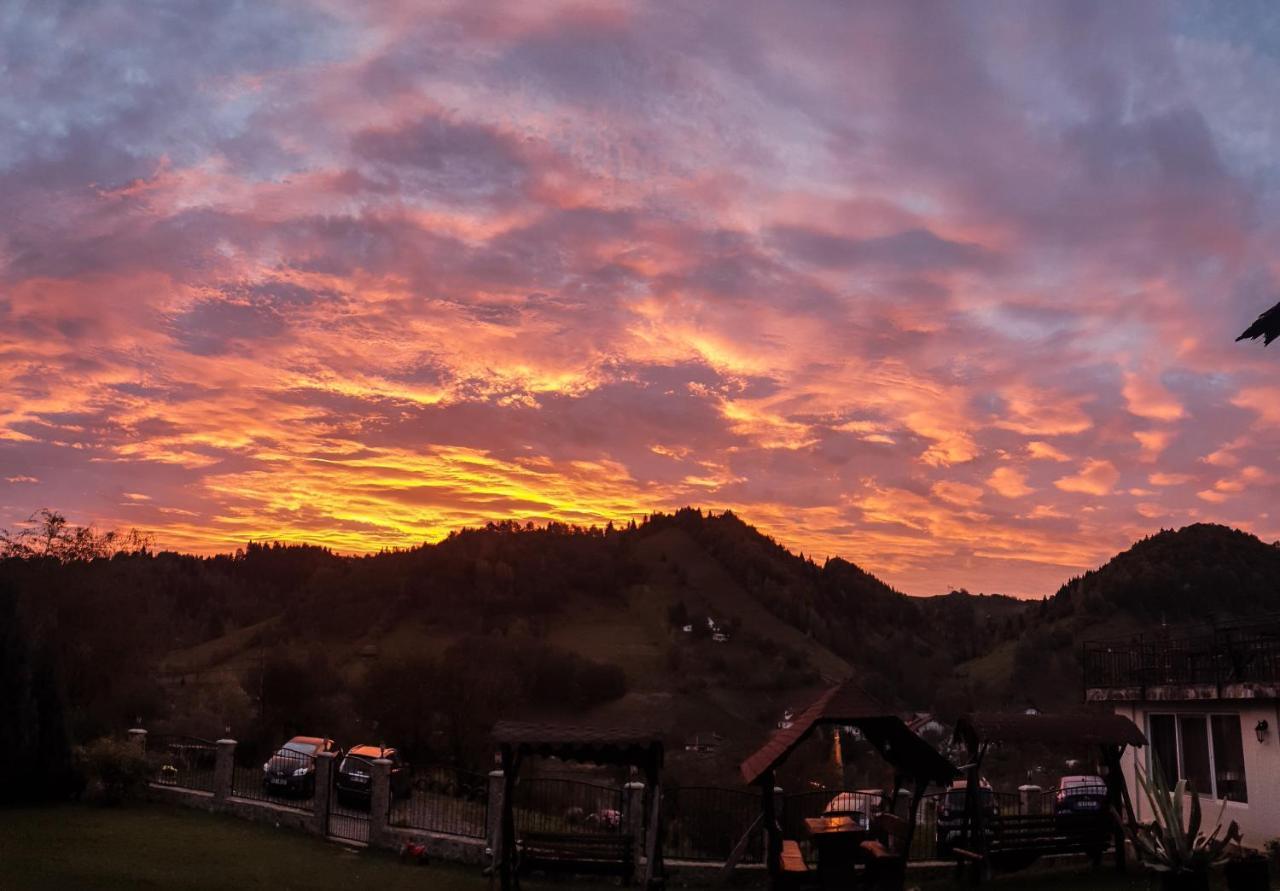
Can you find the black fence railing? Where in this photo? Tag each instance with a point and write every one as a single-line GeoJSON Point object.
{"type": "Point", "coordinates": [569, 806]}
{"type": "Point", "coordinates": [707, 822]}
{"type": "Point", "coordinates": [287, 778]}
{"type": "Point", "coordinates": [185, 762]}
{"type": "Point", "coordinates": [1223, 657]}
{"type": "Point", "coordinates": [442, 799]}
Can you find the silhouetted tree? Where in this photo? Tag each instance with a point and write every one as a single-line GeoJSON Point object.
{"type": "Point", "coordinates": [1267, 327]}
{"type": "Point", "coordinates": [37, 759]}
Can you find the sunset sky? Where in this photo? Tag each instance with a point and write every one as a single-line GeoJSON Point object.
{"type": "Point", "coordinates": [949, 290]}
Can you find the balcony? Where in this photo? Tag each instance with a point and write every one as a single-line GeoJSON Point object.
{"type": "Point", "coordinates": [1240, 660]}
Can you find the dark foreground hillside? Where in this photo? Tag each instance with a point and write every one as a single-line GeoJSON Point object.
{"type": "Point", "coordinates": [695, 623]}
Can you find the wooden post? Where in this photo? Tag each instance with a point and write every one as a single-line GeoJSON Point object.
{"type": "Point", "coordinates": [772, 829]}
{"type": "Point", "coordinates": [1117, 797]}
{"type": "Point", "coordinates": [973, 809]}
{"type": "Point", "coordinates": [506, 863]}
{"type": "Point", "coordinates": [917, 793]}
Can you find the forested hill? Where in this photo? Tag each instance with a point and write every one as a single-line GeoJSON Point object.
{"type": "Point", "coordinates": [1191, 574]}
{"type": "Point", "coordinates": [1196, 575]}
{"type": "Point", "coordinates": [694, 619]}
{"type": "Point", "coordinates": [437, 640]}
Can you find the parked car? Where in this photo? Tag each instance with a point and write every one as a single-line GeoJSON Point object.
{"type": "Point", "coordinates": [953, 809]}
{"type": "Point", "coordinates": [292, 769]}
{"type": "Point", "coordinates": [856, 805]}
{"type": "Point", "coordinates": [1080, 794]}
{"type": "Point", "coordinates": [354, 783]}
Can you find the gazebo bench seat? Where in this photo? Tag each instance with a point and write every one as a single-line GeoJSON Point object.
{"type": "Point", "coordinates": [578, 853]}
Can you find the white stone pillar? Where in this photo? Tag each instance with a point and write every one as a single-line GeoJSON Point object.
{"type": "Point", "coordinates": [224, 769]}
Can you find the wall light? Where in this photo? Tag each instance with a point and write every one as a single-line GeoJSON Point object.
{"type": "Point", "coordinates": [1261, 730]}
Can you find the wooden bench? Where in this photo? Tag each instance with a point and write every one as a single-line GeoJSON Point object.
{"type": "Point", "coordinates": [579, 853]}
{"type": "Point", "coordinates": [795, 872]}
{"type": "Point", "coordinates": [1017, 840]}
{"type": "Point", "coordinates": [886, 856]}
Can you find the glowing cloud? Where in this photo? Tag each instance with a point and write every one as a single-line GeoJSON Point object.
{"type": "Point", "coordinates": [892, 282]}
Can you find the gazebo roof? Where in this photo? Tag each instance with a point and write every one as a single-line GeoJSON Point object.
{"type": "Point", "coordinates": [1100, 728]}
{"type": "Point", "coordinates": [849, 704]}
{"type": "Point", "coordinates": [576, 742]}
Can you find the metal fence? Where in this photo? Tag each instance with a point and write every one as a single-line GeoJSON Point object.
{"type": "Point", "coordinates": [707, 822]}
{"type": "Point", "coordinates": [561, 805]}
{"type": "Point", "coordinates": [1223, 657]}
{"type": "Point", "coordinates": [287, 778]}
{"type": "Point", "coordinates": [442, 799]}
{"type": "Point", "coordinates": [186, 762]}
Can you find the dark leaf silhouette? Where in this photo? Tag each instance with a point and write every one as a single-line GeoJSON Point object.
{"type": "Point", "coordinates": [1267, 326]}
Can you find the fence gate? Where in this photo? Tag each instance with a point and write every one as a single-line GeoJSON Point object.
{"type": "Point", "coordinates": [348, 817]}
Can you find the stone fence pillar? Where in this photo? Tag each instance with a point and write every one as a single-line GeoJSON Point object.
{"type": "Point", "coordinates": [1030, 800]}
{"type": "Point", "coordinates": [493, 832]}
{"type": "Point", "coordinates": [633, 814]}
{"type": "Point", "coordinates": [138, 737]}
{"type": "Point", "coordinates": [224, 769]}
{"type": "Point", "coordinates": [324, 788]}
{"type": "Point", "coordinates": [380, 803]}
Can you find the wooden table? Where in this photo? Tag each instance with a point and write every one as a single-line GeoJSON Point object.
{"type": "Point", "coordinates": [837, 839]}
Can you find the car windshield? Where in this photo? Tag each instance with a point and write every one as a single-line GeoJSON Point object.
{"type": "Point", "coordinates": [354, 763]}
{"type": "Point", "coordinates": [1085, 786]}
{"type": "Point", "coordinates": [299, 747]}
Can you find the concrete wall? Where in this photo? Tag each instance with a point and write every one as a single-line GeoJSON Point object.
{"type": "Point", "coordinates": [1259, 819]}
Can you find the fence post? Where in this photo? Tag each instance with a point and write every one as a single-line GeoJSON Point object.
{"type": "Point", "coordinates": [224, 768]}
{"type": "Point", "coordinates": [1029, 800]}
{"type": "Point", "coordinates": [380, 803]}
{"type": "Point", "coordinates": [324, 787]}
{"type": "Point", "coordinates": [634, 809]}
{"type": "Point", "coordinates": [493, 832]}
{"type": "Point", "coordinates": [138, 737]}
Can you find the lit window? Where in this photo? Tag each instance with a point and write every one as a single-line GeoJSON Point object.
{"type": "Point", "coordinates": [1204, 750]}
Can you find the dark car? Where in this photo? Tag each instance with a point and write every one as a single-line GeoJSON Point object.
{"type": "Point", "coordinates": [354, 782]}
{"type": "Point", "coordinates": [1081, 795]}
{"type": "Point", "coordinates": [953, 811]}
{"type": "Point", "coordinates": [292, 769]}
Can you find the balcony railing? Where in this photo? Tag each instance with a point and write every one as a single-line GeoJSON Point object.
{"type": "Point", "coordinates": [1224, 656]}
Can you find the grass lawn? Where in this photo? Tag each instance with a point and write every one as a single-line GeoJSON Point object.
{"type": "Point", "coordinates": [154, 846]}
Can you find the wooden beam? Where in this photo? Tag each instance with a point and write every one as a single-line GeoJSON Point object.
{"type": "Point", "coordinates": [739, 851]}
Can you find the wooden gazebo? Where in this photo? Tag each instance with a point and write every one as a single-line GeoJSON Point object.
{"type": "Point", "coordinates": [1109, 732]}
{"type": "Point", "coordinates": [622, 746]}
{"type": "Point", "coordinates": [916, 764]}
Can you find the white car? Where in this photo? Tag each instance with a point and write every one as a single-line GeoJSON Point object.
{"type": "Point", "coordinates": [853, 804]}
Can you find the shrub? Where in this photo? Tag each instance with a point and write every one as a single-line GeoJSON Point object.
{"type": "Point", "coordinates": [113, 770]}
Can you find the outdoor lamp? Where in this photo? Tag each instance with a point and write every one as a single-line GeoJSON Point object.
{"type": "Point", "coordinates": [1261, 730]}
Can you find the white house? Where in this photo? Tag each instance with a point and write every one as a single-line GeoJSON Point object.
{"type": "Point", "coordinates": [1209, 704]}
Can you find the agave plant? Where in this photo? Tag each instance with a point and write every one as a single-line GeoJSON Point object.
{"type": "Point", "coordinates": [1170, 843]}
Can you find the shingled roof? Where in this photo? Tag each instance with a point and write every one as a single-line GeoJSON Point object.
{"type": "Point", "coordinates": [849, 704]}
{"type": "Point", "coordinates": [1101, 728]}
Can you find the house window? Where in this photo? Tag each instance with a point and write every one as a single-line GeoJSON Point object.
{"type": "Point", "coordinates": [1204, 750]}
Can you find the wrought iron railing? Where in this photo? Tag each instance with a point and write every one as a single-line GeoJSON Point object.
{"type": "Point", "coordinates": [707, 822]}
{"type": "Point", "coordinates": [185, 762]}
{"type": "Point", "coordinates": [287, 779]}
{"type": "Point", "coordinates": [563, 805]}
{"type": "Point", "coordinates": [442, 799]}
{"type": "Point", "coordinates": [1231, 656]}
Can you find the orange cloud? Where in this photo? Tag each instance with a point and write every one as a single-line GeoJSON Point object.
{"type": "Point", "coordinates": [1096, 477]}
{"type": "Point", "coordinates": [1009, 482]}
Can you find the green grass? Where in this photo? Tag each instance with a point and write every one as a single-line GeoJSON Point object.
{"type": "Point", "coordinates": [154, 846]}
